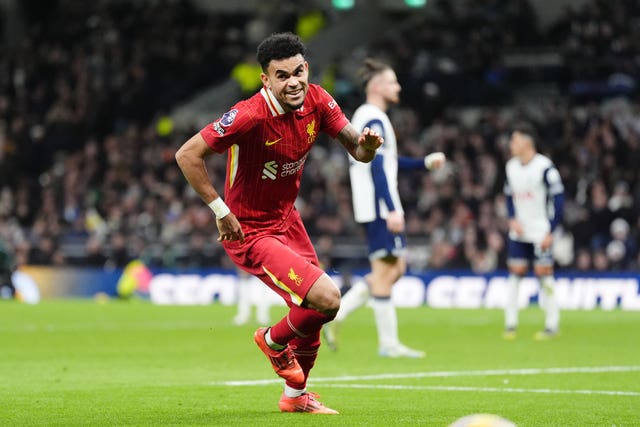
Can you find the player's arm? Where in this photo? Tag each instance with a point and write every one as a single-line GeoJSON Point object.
{"type": "Point", "coordinates": [514, 224]}
{"type": "Point", "coordinates": [558, 207]}
{"type": "Point", "coordinates": [395, 219]}
{"type": "Point", "coordinates": [433, 161]}
{"type": "Point", "coordinates": [191, 160]}
{"type": "Point", "coordinates": [554, 221]}
{"type": "Point", "coordinates": [361, 146]}
{"type": "Point", "coordinates": [555, 188]}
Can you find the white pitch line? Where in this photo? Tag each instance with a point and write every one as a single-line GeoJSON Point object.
{"type": "Point", "coordinates": [447, 374]}
{"type": "Point", "coordinates": [485, 389]}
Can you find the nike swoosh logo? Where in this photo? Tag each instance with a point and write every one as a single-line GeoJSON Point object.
{"type": "Point", "coordinates": [269, 143]}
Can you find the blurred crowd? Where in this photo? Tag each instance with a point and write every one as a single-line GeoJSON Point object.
{"type": "Point", "coordinates": [88, 177]}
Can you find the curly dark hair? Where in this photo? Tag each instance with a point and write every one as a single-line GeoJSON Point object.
{"type": "Point", "coordinates": [279, 46]}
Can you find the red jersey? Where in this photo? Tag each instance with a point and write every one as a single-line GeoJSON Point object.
{"type": "Point", "coordinates": [267, 151]}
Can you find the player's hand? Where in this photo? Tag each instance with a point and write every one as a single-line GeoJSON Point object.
{"type": "Point", "coordinates": [395, 222]}
{"type": "Point", "coordinates": [370, 140]}
{"type": "Point", "coordinates": [546, 242]}
{"type": "Point", "coordinates": [434, 161]}
{"type": "Point", "coordinates": [516, 227]}
{"type": "Point", "coordinates": [229, 228]}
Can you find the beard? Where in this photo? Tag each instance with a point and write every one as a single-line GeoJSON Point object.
{"type": "Point", "coordinates": [294, 107]}
{"type": "Point", "coordinates": [298, 103]}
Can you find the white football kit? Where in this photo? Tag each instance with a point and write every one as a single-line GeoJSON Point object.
{"type": "Point", "coordinates": [366, 206]}
{"type": "Point", "coordinates": [532, 187]}
{"type": "Point", "coordinates": [535, 198]}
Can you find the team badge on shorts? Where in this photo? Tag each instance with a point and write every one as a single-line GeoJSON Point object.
{"type": "Point", "coordinates": [295, 277]}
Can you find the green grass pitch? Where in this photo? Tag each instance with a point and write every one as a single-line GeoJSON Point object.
{"type": "Point", "coordinates": [81, 363]}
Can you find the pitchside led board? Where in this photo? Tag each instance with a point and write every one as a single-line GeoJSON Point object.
{"type": "Point", "coordinates": [455, 289]}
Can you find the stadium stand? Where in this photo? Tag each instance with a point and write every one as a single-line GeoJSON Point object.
{"type": "Point", "coordinates": [95, 97]}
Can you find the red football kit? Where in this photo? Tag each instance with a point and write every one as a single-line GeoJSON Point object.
{"type": "Point", "coordinates": [267, 149]}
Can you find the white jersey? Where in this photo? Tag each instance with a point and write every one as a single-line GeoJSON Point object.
{"type": "Point", "coordinates": [532, 186]}
{"type": "Point", "coordinates": [367, 206]}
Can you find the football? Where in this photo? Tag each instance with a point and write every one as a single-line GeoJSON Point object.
{"type": "Point", "coordinates": [482, 420]}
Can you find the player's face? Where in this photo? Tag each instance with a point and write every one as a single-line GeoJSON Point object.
{"type": "Point", "coordinates": [288, 79]}
{"type": "Point", "coordinates": [517, 144]}
{"type": "Point", "coordinates": [388, 87]}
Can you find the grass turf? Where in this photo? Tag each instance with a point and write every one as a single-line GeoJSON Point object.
{"type": "Point", "coordinates": [77, 362]}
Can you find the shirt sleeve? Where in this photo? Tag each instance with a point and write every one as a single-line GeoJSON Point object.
{"type": "Point", "coordinates": [380, 182]}
{"type": "Point", "coordinates": [556, 190]}
{"type": "Point", "coordinates": [511, 210]}
{"type": "Point", "coordinates": [333, 119]}
{"type": "Point", "coordinates": [226, 130]}
{"type": "Point", "coordinates": [409, 163]}
{"type": "Point", "coordinates": [553, 181]}
{"type": "Point", "coordinates": [558, 207]}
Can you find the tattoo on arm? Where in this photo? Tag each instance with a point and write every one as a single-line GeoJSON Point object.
{"type": "Point", "coordinates": [348, 136]}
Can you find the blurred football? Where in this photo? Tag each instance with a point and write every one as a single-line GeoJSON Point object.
{"type": "Point", "coordinates": [482, 420]}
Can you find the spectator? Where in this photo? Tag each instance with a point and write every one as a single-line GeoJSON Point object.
{"type": "Point", "coordinates": [79, 103]}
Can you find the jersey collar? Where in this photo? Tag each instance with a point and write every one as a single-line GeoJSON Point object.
{"type": "Point", "coordinates": [273, 104]}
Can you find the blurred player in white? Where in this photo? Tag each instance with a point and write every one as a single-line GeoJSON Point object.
{"type": "Point", "coordinates": [535, 199]}
{"type": "Point", "coordinates": [250, 294]}
{"type": "Point", "coordinates": [377, 206]}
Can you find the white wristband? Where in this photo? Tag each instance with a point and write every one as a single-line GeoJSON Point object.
{"type": "Point", "coordinates": [219, 208]}
{"type": "Point", "coordinates": [431, 159]}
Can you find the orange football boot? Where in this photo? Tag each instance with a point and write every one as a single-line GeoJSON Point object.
{"type": "Point", "coordinates": [305, 403]}
{"type": "Point", "coordinates": [283, 362]}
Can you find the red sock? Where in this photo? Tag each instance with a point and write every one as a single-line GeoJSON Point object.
{"type": "Point", "coordinates": [306, 351]}
{"type": "Point", "coordinates": [300, 322]}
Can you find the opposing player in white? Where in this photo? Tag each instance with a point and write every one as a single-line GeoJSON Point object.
{"type": "Point", "coordinates": [250, 294]}
{"type": "Point", "coordinates": [377, 206]}
{"type": "Point", "coordinates": [535, 199]}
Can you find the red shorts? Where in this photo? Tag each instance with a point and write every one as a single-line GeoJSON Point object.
{"type": "Point", "coordinates": [285, 259]}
